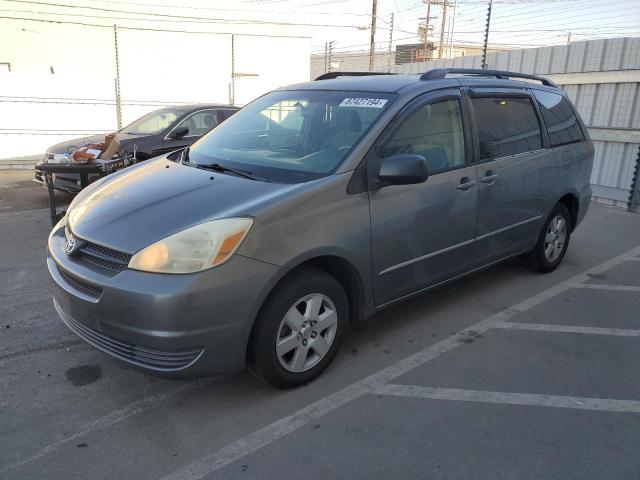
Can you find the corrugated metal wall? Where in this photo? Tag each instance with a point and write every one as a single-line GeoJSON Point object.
{"type": "Point", "coordinates": [602, 78]}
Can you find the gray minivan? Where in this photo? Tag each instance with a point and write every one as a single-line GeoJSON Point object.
{"type": "Point", "coordinates": [314, 206]}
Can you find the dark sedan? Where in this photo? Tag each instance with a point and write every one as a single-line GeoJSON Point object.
{"type": "Point", "coordinates": [158, 132]}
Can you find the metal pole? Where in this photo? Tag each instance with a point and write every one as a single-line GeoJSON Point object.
{"type": "Point", "coordinates": [233, 69]}
{"type": "Point", "coordinates": [373, 34]}
{"type": "Point", "coordinates": [445, 4]}
{"type": "Point", "coordinates": [426, 33]}
{"type": "Point", "coordinates": [118, 98]}
{"type": "Point", "coordinates": [634, 197]}
{"type": "Point", "coordinates": [486, 37]}
{"type": "Point", "coordinates": [326, 57]}
{"type": "Point", "coordinates": [448, 41]}
{"type": "Point", "coordinates": [453, 28]}
{"type": "Point", "coordinates": [390, 43]}
{"type": "Point", "coordinates": [568, 38]}
{"type": "Point", "coordinates": [329, 57]}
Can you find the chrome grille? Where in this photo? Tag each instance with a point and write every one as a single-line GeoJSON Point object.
{"type": "Point", "coordinates": [104, 257]}
{"type": "Point", "coordinates": [134, 354]}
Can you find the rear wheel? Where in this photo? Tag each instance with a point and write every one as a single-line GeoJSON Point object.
{"type": "Point", "coordinates": [299, 329]}
{"type": "Point", "coordinates": [553, 241]}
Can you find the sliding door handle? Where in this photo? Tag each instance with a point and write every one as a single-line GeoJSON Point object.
{"type": "Point", "coordinates": [465, 184]}
{"type": "Point", "coordinates": [489, 177]}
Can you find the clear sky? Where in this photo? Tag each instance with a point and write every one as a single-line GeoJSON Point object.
{"type": "Point", "coordinates": [515, 23]}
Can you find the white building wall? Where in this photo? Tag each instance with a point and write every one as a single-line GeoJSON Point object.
{"type": "Point", "coordinates": [156, 69]}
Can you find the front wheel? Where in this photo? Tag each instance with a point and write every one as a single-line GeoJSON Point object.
{"type": "Point", "coordinates": [299, 329]}
{"type": "Point", "coordinates": [552, 243]}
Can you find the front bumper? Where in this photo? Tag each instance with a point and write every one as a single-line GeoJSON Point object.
{"type": "Point", "coordinates": [177, 325]}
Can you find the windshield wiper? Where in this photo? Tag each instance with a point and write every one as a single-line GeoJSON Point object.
{"type": "Point", "coordinates": [217, 167]}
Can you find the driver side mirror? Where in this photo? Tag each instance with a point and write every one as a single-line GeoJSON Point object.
{"type": "Point", "coordinates": [403, 169]}
{"type": "Point", "coordinates": [179, 133]}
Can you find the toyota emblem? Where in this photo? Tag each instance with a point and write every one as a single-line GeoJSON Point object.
{"type": "Point", "coordinates": [71, 246]}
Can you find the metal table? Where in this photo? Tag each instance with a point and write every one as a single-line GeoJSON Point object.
{"type": "Point", "coordinates": [101, 168]}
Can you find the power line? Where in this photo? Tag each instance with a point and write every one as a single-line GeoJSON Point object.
{"type": "Point", "coordinates": [111, 17]}
{"type": "Point", "coordinates": [382, 42]}
{"type": "Point", "coordinates": [252, 10]}
{"type": "Point", "coordinates": [181, 17]}
{"type": "Point", "coordinates": [147, 29]}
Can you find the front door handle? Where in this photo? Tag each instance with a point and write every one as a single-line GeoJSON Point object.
{"type": "Point", "coordinates": [489, 177]}
{"type": "Point", "coordinates": [465, 184]}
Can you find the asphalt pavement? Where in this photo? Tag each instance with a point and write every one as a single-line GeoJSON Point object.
{"type": "Point", "coordinates": [505, 374]}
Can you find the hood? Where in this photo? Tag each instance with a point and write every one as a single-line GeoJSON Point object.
{"type": "Point", "coordinates": [146, 203]}
{"type": "Point", "coordinates": [71, 145]}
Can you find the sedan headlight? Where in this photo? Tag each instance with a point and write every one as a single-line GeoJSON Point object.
{"type": "Point", "coordinates": [197, 248]}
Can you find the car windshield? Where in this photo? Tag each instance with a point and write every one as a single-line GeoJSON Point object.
{"type": "Point", "coordinates": [152, 123]}
{"type": "Point", "coordinates": [292, 136]}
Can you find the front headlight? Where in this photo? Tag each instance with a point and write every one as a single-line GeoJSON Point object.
{"type": "Point", "coordinates": [197, 248]}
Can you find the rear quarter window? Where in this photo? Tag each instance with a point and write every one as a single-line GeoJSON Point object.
{"type": "Point", "coordinates": [506, 126]}
{"type": "Point", "coordinates": [561, 121]}
{"type": "Point", "coordinates": [224, 114]}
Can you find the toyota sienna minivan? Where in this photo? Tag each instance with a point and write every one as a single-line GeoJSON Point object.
{"type": "Point", "coordinates": [315, 206]}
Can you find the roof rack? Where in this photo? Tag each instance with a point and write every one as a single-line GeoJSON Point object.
{"type": "Point", "coordinates": [330, 75]}
{"type": "Point", "coordinates": [441, 73]}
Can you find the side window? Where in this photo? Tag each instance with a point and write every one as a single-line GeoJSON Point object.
{"type": "Point", "coordinates": [200, 122]}
{"type": "Point", "coordinates": [561, 121]}
{"type": "Point", "coordinates": [433, 131]}
{"type": "Point", "coordinates": [506, 126]}
{"type": "Point", "coordinates": [224, 114]}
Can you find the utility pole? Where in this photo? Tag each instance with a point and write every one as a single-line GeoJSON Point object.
{"type": "Point", "coordinates": [445, 4]}
{"type": "Point", "coordinates": [234, 74]}
{"type": "Point", "coordinates": [426, 30]}
{"type": "Point", "coordinates": [232, 96]}
{"type": "Point", "coordinates": [568, 38]}
{"type": "Point", "coordinates": [326, 57]}
{"type": "Point", "coordinates": [390, 43]}
{"type": "Point", "coordinates": [486, 37]}
{"type": "Point", "coordinates": [118, 99]}
{"type": "Point", "coordinates": [372, 48]}
{"type": "Point", "coordinates": [330, 55]}
{"type": "Point", "coordinates": [453, 28]}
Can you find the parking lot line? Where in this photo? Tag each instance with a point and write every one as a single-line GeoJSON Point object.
{"type": "Point", "coordinates": [254, 441]}
{"type": "Point", "coordinates": [600, 286]}
{"type": "Point", "coordinates": [542, 327]}
{"type": "Point", "coordinates": [506, 398]}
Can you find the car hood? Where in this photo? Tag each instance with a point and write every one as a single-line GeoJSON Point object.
{"type": "Point", "coordinates": [143, 204]}
{"type": "Point", "coordinates": [71, 145]}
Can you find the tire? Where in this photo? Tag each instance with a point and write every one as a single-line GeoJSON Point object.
{"type": "Point", "coordinates": [308, 341]}
{"type": "Point", "coordinates": [552, 243]}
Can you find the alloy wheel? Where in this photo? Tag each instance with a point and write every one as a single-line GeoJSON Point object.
{"type": "Point", "coordinates": [555, 238]}
{"type": "Point", "coordinates": [306, 333]}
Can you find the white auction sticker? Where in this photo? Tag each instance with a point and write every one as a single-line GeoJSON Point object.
{"type": "Point", "coordinates": [363, 102]}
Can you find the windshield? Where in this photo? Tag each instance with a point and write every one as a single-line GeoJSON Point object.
{"type": "Point", "coordinates": [292, 136]}
{"type": "Point", "coordinates": [152, 123]}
